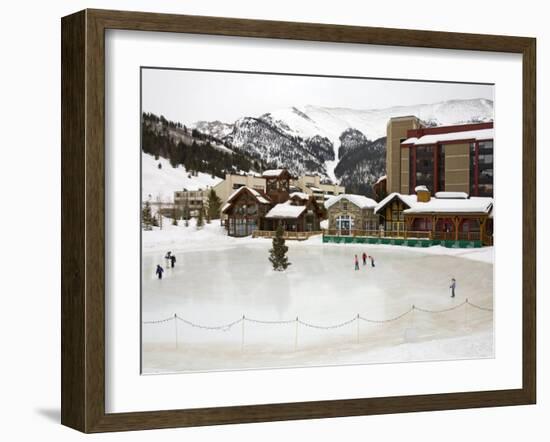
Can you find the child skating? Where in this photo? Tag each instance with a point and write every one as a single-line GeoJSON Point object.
{"type": "Point", "coordinates": [356, 263]}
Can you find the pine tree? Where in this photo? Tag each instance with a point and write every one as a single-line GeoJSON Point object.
{"type": "Point", "coordinates": [146, 217]}
{"type": "Point", "coordinates": [277, 254]}
{"type": "Point", "coordinates": [214, 205]}
{"type": "Point", "coordinates": [200, 219]}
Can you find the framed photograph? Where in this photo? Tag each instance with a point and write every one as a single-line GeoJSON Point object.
{"type": "Point", "coordinates": [268, 221]}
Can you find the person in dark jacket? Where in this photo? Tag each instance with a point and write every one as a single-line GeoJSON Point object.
{"type": "Point", "coordinates": [364, 258]}
{"type": "Point", "coordinates": [453, 287]}
{"type": "Point", "coordinates": [172, 260]}
{"type": "Point", "coordinates": [356, 260]}
{"type": "Point", "coordinates": [159, 271]}
{"type": "Point", "coordinates": [372, 261]}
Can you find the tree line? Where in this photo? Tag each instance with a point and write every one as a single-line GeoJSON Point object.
{"type": "Point", "coordinates": [195, 152]}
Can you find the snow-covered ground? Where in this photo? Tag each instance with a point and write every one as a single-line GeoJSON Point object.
{"type": "Point", "coordinates": [218, 279]}
{"type": "Point", "coordinates": [160, 184]}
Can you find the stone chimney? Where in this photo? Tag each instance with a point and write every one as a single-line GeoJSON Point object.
{"type": "Point", "coordinates": [423, 195]}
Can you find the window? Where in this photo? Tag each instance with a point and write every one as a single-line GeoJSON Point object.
{"type": "Point", "coordinates": [425, 166]}
{"type": "Point", "coordinates": [481, 168]}
{"type": "Point", "coordinates": [344, 224]}
{"type": "Point", "coordinates": [440, 169]}
{"type": "Point", "coordinates": [344, 206]}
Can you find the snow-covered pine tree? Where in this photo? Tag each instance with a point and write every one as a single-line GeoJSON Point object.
{"type": "Point", "coordinates": [277, 254]}
{"type": "Point", "coordinates": [146, 217]}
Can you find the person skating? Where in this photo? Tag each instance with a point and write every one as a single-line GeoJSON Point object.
{"type": "Point", "coordinates": [172, 260]}
{"type": "Point", "coordinates": [364, 258]}
{"type": "Point", "coordinates": [167, 258]}
{"type": "Point", "coordinates": [356, 263]}
{"type": "Point", "coordinates": [372, 261]}
{"type": "Point", "coordinates": [159, 271]}
{"type": "Point", "coordinates": [453, 287]}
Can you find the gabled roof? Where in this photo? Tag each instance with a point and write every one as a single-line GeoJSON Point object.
{"type": "Point", "coordinates": [359, 200]}
{"type": "Point", "coordinates": [261, 198]}
{"type": "Point", "coordinates": [408, 200]}
{"type": "Point", "coordinates": [285, 210]}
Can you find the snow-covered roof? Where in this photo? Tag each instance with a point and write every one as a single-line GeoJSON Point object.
{"type": "Point", "coordinates": [285, 210]}
{"type": "Point", "coordinates": [315, 189]}
{"type": "Point", "coordinates": [359, 200]}
{"type": "Point", "coordinates": [480, 134]}
{"type": "Point", "coordinates": [440, 205]}
{"type": "Point", "coordinates": [254, 192]}
{"type": "Point", "coordinates": [451, 195]}
{"type": "Point", "coordinates": [225, 207]}
{"type": "Point", "coordinates": [272, 173]}
{"type": "Point", "coordinates": [445, 205]}
{"type": "Point", "coordinates": [409, 200]}
{"type": "Point", "coordinates": [301, 195]}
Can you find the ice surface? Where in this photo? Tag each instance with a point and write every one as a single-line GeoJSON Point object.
{"type": "Point", "coordinates": [218, 279]}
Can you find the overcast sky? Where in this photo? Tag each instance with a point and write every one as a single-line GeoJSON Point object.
{"type": "Point", "coordinates": [189, 96]}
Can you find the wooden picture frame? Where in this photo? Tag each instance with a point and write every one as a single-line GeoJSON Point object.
{"type": "Point", "coordinates": [83, 220]}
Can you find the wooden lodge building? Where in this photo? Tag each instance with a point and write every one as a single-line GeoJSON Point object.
{"type": "Point", "coordinates": [449, 216]}
{"type": "Point", "coordinates": [254, 212]}
{"type": "Point", "coordinates": [452, 219]}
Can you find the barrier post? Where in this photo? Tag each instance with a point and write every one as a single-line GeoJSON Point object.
{"type": "Point", "coordinates": [466, 314]}
{"type": "Point", "coordinates": [296, 335]}
{"type": "Point", "coordinates": [357, 320]}
{"type": "Point", "coordinates": [176, 328]}
{"type": "Point", "coordinates": [242, 334]}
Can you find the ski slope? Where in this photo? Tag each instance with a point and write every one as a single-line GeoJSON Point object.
{"type": "Point", "coordinates": [160, 184]}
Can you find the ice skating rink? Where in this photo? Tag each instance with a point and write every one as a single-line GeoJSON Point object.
{"type": "Point", "coordinates": [217, 284]}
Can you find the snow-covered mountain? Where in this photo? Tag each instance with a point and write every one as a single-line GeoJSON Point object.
{"type": "Point", "coordinates": [316, 139]}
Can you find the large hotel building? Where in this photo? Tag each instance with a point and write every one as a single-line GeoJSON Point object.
{"type": "Point", "coordinates": [455, 158]}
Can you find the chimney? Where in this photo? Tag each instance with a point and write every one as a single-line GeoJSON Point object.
{"type": "Point", "coordinates": [423, 195]}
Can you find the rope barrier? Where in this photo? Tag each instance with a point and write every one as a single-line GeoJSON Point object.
{"type": "Point", "coordinates": [381, 321]}
{"type": "Point", "coordinates": [327, 327]}
{"type": "Point", "coordinates": [487, 309]}
{"type": "Point", "coordinates": [261, 321]}
{"type": "Point", "coordinates": [229, 325]}
{"type": "Point", "coordinates": [224, 327]}
{"type": "Point", "coordinates": [171, 318]}
{"type": "Point", "coordinates": [443, 310]}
